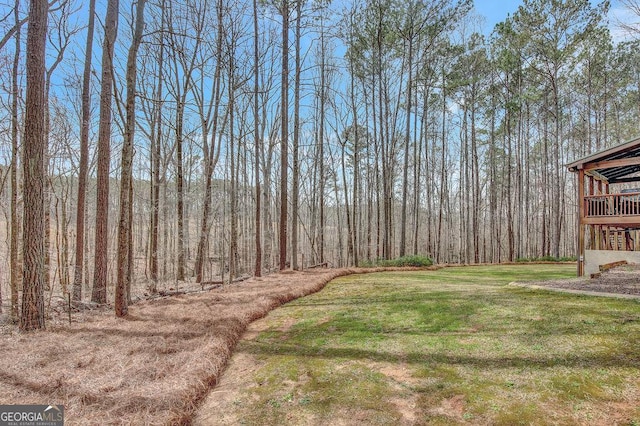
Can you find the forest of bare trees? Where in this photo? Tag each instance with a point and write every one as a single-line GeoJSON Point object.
{"type": "Point", "coordinates": [200, 140]}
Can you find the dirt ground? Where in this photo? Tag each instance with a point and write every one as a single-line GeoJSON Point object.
{"type": "Point", "coordinates": [155, 366]}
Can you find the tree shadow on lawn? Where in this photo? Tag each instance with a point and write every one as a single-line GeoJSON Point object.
{"type": "Point", "coordinates": [412, 296]}
{"type": "Point", "coordinates": [495, 314]}
{"type": "Point", "coordinates": [625, 357]}
{"type": "Point", "coordinates": [496, 295]}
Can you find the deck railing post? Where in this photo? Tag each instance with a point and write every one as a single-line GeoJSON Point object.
{"type": "Point", "coordinates": [581, 229]}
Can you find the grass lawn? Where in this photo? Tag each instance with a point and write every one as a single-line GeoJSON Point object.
{"type": "Point", "coordinates": [452, 346]}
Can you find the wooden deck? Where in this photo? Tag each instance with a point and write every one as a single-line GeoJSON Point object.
{"type": "Point", "coordinates": [608, 207]}
{"type": "Point", "coordinates": [620, 210]}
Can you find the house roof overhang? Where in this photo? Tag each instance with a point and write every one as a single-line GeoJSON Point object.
{"type": "Point", "coordinates": [617, 164]}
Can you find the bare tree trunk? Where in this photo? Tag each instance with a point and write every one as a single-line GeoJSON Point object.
{"type": "Point", "coordinates": [34, 178]}
{"type": "Point", "coordinates": [63, 42]}
{"type": "Point", "coordinates": [476, 182]}
{"type": "Point", "coordinates": [165, 227]}
{"type": "Point", "coordinates": [284, 144]}
{"type": "Point", "coordinates": [346, 200]}
{"type": "Point", "coordinates": [443, 169]}
{"type": "Point", "coordinates": [356, 189]}
{"type": "Point", "coordinates": [418, 168]}
{"type": "Point", "coordinates": [129, 267]}
{"type": "Point", "coordinates": [557, 182]}
{"type": "Point", "coordinates": [62, 244]}
{"type": "Point", "coordinates": [180, 192]}
{"type": "Point", "coordinates": [258, 144]}
{"type": "Point", "coordinates": [356, 162]}
{"type": "Point", "coordinates": [267, 160]}
{"type": "Point", "coordinates": [407, 140]}
{"type": "Point", "coordinates": [465, 234]}
{"type": "Point", "coordinates": [99, 293]}
{"type": "Point", "coordinates": [320, 157]}
{"type": "Point", "coordinates": [545, 186]}
{"type": "Point", "coordinates": [296, 142]}
{"type": "Point", "coordinates": [370, 180]}
{"type": "Point", "coordinates": [507, 188]}
{"type": "Point", "coordinates": [84, 156]}
{"type": "Point", "coordinates": [493, 190]}
{"type": "Point", "coordinates": [15, 222]}
{"type": "Point", "coordinates": [376, 147]}
{"type": "Point", "coordinates": [156, 141]}
{"type": "Point", "coordinates": [213, 152]}
{"type": "Point", "coordinates": [233, 178]}
{"type": "Point", "coordinates": [183, 70]}
{"type": "Point", "coordinates": [126, 180]}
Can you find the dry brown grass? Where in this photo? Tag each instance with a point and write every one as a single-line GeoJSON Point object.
{"type": "Point", "coordinates": [155, 366]}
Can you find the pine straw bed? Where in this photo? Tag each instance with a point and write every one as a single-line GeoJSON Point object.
{"type": "Point", "coordinates": [155, 366]}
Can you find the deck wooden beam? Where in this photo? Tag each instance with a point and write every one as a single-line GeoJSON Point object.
{"type": "Point", "coordinates": [609, 164]}
{"type": "Point", "coordinates": [581, 223]}
{"type": "Point", "coordinates": [620, 221]}
{"type": "Point", "coordinates": [599, 177]}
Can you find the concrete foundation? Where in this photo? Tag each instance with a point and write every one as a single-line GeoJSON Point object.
{"type": "Point", "coordinates": [594, 258]}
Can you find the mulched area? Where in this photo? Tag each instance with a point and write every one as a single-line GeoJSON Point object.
{"type": "Point", "coordinates": [623, 281]}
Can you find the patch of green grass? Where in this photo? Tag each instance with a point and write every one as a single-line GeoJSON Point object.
{"type": "Point", "coordinates": [320, 388]}
{"type": "Point", "coordinates": [521, 413]}
{"type": "Point", "coordinates": [457, 344]}
{"type": "Point", "coordinates": [577, 387]}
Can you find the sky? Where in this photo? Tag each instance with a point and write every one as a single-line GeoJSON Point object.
{"type": "Point", "coordinates": [495, 11]}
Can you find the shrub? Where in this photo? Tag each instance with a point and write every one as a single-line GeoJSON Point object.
{"type": "Point", "coordinates": [547, 259]}
{"type": "Point", "coordinates": [416, 261]}
{"type": "Point", "coordinates": [568, 259]}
